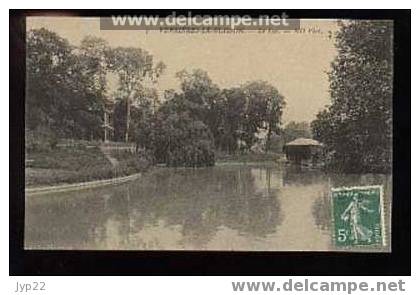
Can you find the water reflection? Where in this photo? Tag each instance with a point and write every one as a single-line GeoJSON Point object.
{"type": "Point", "coordinates": [321, 211]}
{"type": "Point", "coordinates": [236, 207]}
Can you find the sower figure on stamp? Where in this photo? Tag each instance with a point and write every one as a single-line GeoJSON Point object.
{"type": "Point", "coordinates": [352, 213]}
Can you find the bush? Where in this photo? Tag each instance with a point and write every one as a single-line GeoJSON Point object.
{"type": "Point", "coordinates": [192, 155]}
{"type": "Point", "coordinates": [181, 141]}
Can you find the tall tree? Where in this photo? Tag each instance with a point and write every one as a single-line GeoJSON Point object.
{"type": "Point", "coordinates": [265, 107]}
{"type": "Point", "coordinates": [93, 55]}
{"type": "Point", "coordinates": [143, 105]}
{"type": "Point", "coordinates": [357, 127]}
{"type": "Point", "coordinates": [133, 66]}
{"type": "Point", "coordinates": [58, 94]}
{"type": "Point", "coordinates": [231, 114]}
{"type": "Point", "coordinates": [234, 101]}
{"type": "Point", "coordinates": [202, 97]}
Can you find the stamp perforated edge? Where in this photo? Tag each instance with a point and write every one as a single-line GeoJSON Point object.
{"type": "Point", "coordinates": [381, 205]}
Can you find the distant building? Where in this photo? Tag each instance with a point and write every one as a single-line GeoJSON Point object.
{"type": "Point", "coordinates": [303, 150]}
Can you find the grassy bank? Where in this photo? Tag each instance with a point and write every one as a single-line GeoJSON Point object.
{"type": "Point", "coordinates": [59, 166]}
{"type": "Point", "coordinates": [249, 157]}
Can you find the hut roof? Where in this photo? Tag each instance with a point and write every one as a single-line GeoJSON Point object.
{"type": "Point", "coordinates": [304, 142]}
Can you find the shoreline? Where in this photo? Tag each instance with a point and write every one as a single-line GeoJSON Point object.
{"type": "Point", "coordinates": [81, 185]}
{"type": "Point", "coordinates": [65, 187]}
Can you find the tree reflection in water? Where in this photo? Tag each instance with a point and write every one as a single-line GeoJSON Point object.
{"type": "Point", "coordinates": [321, 210]}
{"type": "Point", "coordinates": [203, 200]}
{"type": "Point", "coordinates": [198, 202]}
{"type": "Point", "coordinates": [242, 207]}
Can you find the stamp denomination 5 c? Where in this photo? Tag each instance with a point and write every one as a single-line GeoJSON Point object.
{"type": "Point", "coordinates": [358, 216]}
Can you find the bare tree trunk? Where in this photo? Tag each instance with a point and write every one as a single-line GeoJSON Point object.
{"type": "Point", "coordinates": [127, 126]}
{"type": "Point", "coordinates": [267, 142]}
{"type": "Point", "coordinates": [128, 119]}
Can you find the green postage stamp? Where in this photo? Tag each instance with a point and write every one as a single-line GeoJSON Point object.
{"type": "Point", "coordinates": [358, 216]}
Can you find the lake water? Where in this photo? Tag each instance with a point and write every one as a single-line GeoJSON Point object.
{"type": "Point", "coordinates": [227, 207]}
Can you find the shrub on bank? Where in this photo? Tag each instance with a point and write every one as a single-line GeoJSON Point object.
{"type": "Point", "coordinates": [178, 140]}
{"type": "Point", "coordinates": [196, 154]}
{"type": "Point", "coordinates": [129, 163]}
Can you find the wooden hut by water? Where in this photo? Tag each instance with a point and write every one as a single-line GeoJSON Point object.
{"type": "Point", "coordinates": [303, 151]}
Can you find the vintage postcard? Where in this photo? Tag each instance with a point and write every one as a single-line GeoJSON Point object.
{"type": "Point", "coordinates": [208, 133]}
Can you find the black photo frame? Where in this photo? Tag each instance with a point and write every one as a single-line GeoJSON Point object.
{"type": "Point", "coordinates": [31, 262]}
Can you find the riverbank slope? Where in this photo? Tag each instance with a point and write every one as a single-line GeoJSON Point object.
{"type": "Point", "coordinates": [80, 164]}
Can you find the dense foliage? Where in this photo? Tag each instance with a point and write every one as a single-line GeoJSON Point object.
{"type": "Point", "coordinates": [357, 127]}
{"type": "Point", "coordinates": [62, 99]}
{"type": "Point", "coordinates": [67, 85]}
{"type": "Point", "coordinates": [68, 94]}
{"type": "Point", "coordinates": [201, 118]}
